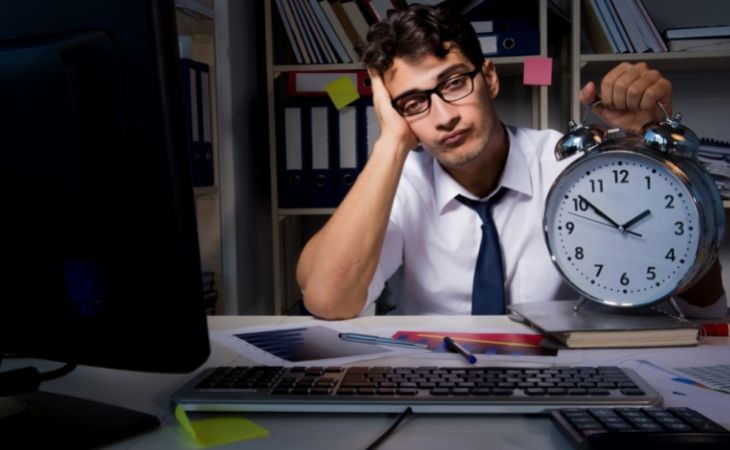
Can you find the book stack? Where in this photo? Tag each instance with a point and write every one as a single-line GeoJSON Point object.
{"type": "Point", "coordinates": [698, 38]}
{"type": "Point", "coordinates": [621, 26]}
{"type": "Point", "coordinates": [715, 157]}
{"type": "Point", "coordinates": [330, 31]}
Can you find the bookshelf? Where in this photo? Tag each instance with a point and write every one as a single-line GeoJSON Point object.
{"type": "Point", "coordinates": [291, 227]}
{"type": "Point", "coordinates": [196, 21]}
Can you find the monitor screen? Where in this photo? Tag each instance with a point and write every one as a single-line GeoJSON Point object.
{"type": "Point", "coordinates": [99, 258]}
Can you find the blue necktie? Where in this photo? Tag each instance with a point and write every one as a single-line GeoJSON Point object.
{"type": "Point", "coordinates": [488, 290]}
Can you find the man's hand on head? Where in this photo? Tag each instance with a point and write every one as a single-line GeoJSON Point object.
{"type": "Point", "coordinates": [393, 126]}
{"type": "Point", "coordinates": [628, 96]}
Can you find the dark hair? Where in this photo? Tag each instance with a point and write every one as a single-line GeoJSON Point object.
{"type": "Point", "coordinates": [416, 32]}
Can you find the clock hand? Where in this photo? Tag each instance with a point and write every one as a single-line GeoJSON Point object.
{"type": "Point", "coordinates": [636, 219]}
{"type": "Point", "coordinates": [591, 219]}
{"type": "Point", "coordinates": [600, 213]}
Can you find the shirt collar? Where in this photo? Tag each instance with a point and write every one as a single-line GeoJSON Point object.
{"type": "Point", "coordinates": [516, 175]}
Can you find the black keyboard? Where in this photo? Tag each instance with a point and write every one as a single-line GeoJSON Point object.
{"type": "Point", "coordinates": [425, 389]}
{"type": "Point", "coordinates": [644, 428]}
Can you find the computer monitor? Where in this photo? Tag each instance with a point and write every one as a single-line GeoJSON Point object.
{"type": "Point", "coordinates": [99, 258]}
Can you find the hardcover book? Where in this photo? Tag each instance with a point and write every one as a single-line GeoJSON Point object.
{"type": "Point", "coordinates": [599, 326]}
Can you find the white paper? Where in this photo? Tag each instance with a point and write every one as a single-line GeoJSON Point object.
{"type": "Point", "coordinates": [328, 342]}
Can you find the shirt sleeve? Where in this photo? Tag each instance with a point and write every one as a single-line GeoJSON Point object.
{"type": "Point", "coordinates": [391, 258]}
{"type": "Point", "coordinates": [717, 310]}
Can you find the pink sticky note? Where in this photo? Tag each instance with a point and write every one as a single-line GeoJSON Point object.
{"type": "Point", "coordinates": [538, 71]}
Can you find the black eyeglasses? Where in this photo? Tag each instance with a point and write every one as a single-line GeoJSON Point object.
{"type": "Point", "coordinates": [450, 90]}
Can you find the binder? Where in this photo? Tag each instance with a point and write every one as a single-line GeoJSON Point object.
{"type": "Point", "coordinates": [196, 88]}
{"type": "Point", "coordinates": [203, 172]}
{"type": "Point", "coordinates": [371, 130]}
{"type": "Point", "coordinates": [313, 83]}
{"type": "Point", "coordinates": [321, 190]}
{"type": "Point", "coordinates": [510, 43]}
{"type": "Point", "coordinates": [348, 163]}
{"type": "Point", "coordinates": [306, 141]}
{"type": "Point", "coordinates": [290, 144]}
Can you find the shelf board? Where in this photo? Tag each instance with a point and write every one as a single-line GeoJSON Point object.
{"type": "Point", "coordinates": [665, 61]}
{"type": "Point", "coordinates": [505, 64]}
{"type": "Point", "coordinates": [203, 191]}
{"type": "Point", "coordinates": [283, 212]}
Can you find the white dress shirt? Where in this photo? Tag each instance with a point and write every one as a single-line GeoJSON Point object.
{"type": "Point", "coordinates": [432, 240]}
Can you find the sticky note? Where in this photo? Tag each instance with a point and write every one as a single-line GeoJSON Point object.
{"type": "Point", "coordinates": [538, 71]}
{"type": "Point", "coordinates": [342, 92]}
{"type": "Point", "coordinates": [219, 430]}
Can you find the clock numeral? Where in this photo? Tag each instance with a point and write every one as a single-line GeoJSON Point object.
{"type": "Point", "coordinates": [680, 228]}
{"type": "Point", "coordinates": [579, 253]}
{"type": "Point", "coordinates": [580, 205]}
{"type": "Point", "coordinates": [596, 185]}
{"type": "Point", "coordinates": [570, 226]}
{"type": "Point", "coordinates": [648, 183]}
{"type": "Point", "coordinates": [670, 255]}
{"type": "Point", "coordinates": [650, 273]}
{"type": "Point", "coordinates": [600, 269]}
{"type": "Point", "coordinates": [620, 176]}
{"type": "Point", "coordinates": [624, 280]}
{"type": "Point", "coordinates": [670, 201]}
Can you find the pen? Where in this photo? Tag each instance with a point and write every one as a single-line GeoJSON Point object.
{"type": "Point", "coordinates": [378, 340]}
{"type": "Point", "coordinates": [454, 346]}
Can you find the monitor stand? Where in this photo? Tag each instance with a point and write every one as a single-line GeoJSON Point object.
{"type": "Point", "coordinates": [46, 420]}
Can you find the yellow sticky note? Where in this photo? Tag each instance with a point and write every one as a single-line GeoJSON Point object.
{"type": "Point", "coordinates": [220, 430]}
{"type": "Point", "coordinates": [342, 92]}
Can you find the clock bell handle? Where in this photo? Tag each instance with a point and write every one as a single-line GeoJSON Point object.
{"type": "Point", "coordinates": [670, 136]}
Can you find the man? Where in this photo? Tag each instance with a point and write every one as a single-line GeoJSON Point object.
{"type": "Point", "coordinates": [433, 90]}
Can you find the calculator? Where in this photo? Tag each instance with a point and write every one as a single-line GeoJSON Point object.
{"type": "Point", "coordinates": [639, 428]}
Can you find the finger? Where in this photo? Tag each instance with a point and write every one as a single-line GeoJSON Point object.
{"type": "Point", "coordinates": [659, 91]}
{"type": "Point", "coordinates": [643, 94]}
{"type": "Point", "coordinates": [588, 93]}
{"type": "Point", "coordinates": [608, 81]}
{"type": "Point", "coordinates": [381, 97]}
{"type": "Point", "coordinates": [376, 83]}
{"type": "Point", "coordinates": [618, 90]}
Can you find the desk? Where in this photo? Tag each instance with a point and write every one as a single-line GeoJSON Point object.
{"type": "Point", "coordinates": [150, 393]}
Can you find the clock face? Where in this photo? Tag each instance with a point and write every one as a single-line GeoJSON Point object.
{"type": "Point", "coordinates": [622, 228]}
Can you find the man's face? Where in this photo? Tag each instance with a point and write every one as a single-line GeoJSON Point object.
{"type": "Point", "coordinates": [456, 133]}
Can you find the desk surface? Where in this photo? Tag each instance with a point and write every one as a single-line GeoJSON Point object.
{"type": "Point", "coordinates": [151, 392]}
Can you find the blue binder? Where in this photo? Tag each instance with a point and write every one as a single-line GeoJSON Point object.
{"type": "Point", "coordinates": [348, 155]}
{"type": "Point", "coordinates": [196, 89]}
{"type": "Point", "coordinates": [369, 129]}
{"type": "Point", "coordinates": [319, 152]}
{"type": "Point", "coordinates": [292, 134]}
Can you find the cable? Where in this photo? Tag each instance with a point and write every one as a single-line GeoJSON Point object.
{"type": "Point", "coordinates": [28, 379]}
{"type": "Point", "coordinates": [390, 429]}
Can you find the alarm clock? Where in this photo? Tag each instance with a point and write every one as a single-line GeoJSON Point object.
{"type": "Point", "coordinates": [635, 218]}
